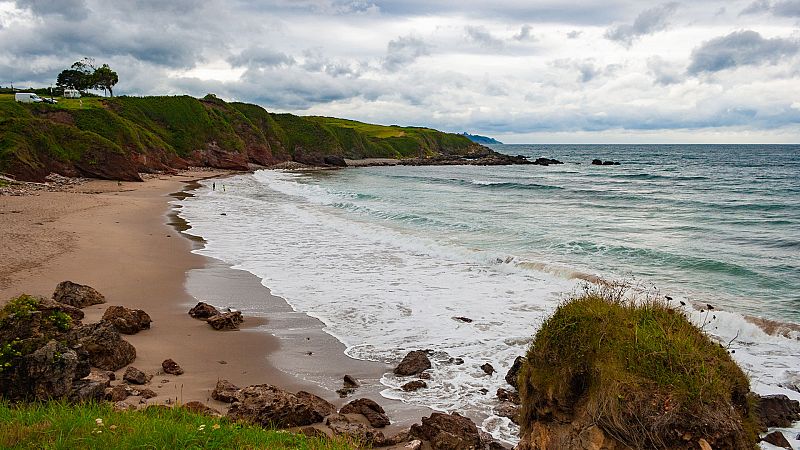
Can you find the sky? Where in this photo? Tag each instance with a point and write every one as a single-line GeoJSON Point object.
{"type": "Point", "coordinates": [595, 71]}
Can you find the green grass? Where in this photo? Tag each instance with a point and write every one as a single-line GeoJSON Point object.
{"type": "Point", "coordinates": [634, 366]}
{"type": "Point", "coordinates": [57, 425]}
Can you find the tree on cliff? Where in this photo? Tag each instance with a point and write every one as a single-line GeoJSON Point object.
{"type": "Point", "coordinates": [84, 75]}
{"type": "Point", "coordinates": [105, 79]}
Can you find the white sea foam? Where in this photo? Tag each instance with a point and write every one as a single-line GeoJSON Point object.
{"type": "Point", "coordinates": [383, 289]}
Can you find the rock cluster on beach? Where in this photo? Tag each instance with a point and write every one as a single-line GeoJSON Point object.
{"type": "Point", "coordinates": [217, 320]}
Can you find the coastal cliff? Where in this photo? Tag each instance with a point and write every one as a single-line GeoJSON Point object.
{"type": "Point", "coordinates": [118, 138]}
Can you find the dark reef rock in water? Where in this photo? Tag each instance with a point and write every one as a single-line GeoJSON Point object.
{"type": "Point", "coordinates": [488, 368]}
{"type": "Point", "coordinates": [546, 161]}
{"type": "Point", "coordinates": [415, 385]}
{"type": "Point", "coordinates": [451, 431]}
{"type": "Point", "coordinates": [777, 410]}
{"type": "Point", "coordinates": [513, 372]}
{"type": "Point", "coordinates": [414, 362]}
{"type": "Point", "coordinates": [777, 439]}
{"type": "Point", "coordinates": [599, 162]}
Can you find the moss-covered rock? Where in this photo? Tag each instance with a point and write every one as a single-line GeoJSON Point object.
{"type": "Point", "coordinates": [631, 374]}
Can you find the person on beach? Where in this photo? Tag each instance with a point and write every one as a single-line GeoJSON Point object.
{"type": "Point", "coordinates": [213, 186]}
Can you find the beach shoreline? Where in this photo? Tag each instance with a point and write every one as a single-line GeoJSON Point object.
{"type": "Point", "coordinates": [124, 239]}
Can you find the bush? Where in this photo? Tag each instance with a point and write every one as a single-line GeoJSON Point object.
{"type": "Point", "coordinates": [640, 370]}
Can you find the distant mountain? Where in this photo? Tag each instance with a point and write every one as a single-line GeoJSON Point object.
{"type": "Point", "coordinates": [478, 139]}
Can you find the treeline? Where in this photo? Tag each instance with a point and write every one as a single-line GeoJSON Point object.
{"type": "Point", "coordinates": [84, 75]}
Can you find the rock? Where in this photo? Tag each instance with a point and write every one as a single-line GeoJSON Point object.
{"type": "Point", "coordinates": [85, 390]}
{"type": "Point", "coordinates": [171, 367]}
{"type": "Point", "coordinates": [314, 432]}
{"type": "Point", "coordinates": [488, 369]}
{"type": "Point", "coordinates": [508, 396]}
{"type": "Point", "coordinates": [126, 320]}
{"type": "Point", "coordinates": [777, 439]}
{"type": "Point", "coordinates": [226, 321]}
{"type": "Point", "coordinates": [203, 310]}
{"type": "Point", "coordinates": [599, 162]}
{"type": "Point", "coordinates": [416, 444]}
{"type": "Point", "coordinates": [201, 408]}
{"type": "Point", "coordinates": [77, 295]}
{"type": "Point", "coordinates": [135, 376]}
{"type": "Point", "coordinates": [333, 160]}
{"type": "Point", "coordinates": [117, 393]}
{"type": "Point", "coordinates": [350, 382]}
{"type": "Point", "coordinates": [340, 425]}
{"type": "Point", "coordinates": [345, 392]}
{"type": "Point", "coordinates": [414, 362]}
{"type": "Point", "coordinates": [509, 410]}
{"type": "Point", "coordinates": [447, 432]}
{"type": "Point", "coordinates": [513, 372]}
{"type": "Point", "coordinates": [46, 373]}
{"type": "Point", "coordinates": [270, 406]}
{"type": "Point", "coordinates": [106, 348]}
{"type": "Point", "coordinates": [48, 306]}
{"type": "Point", "coordinates": [123, 406]}
{"type": "Point", "coordinates": [415, 385]}
{"type": "Point", "coordinates": [146, 393]}
{"type": "Point", "coordinates": [777, 411]}
{"type": "Point", "coordinates": [424, 376]}
{"type": "Point", "coordinates": [225, 391]}
{"type": "Point", "coordinates": [463, 319]}
{"type": "Point", "coordinates": [374, 413]}
{"type": "Point", "coordinates": [456, 361]}
{"type": "Point", "coordinates": [546, 161]}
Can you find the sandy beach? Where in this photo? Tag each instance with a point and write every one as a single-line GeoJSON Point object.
{"type": "Point", "coordinates": [123, 240]}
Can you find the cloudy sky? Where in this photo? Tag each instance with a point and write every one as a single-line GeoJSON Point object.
{"type": "Point", "coordinates": [519, 70]}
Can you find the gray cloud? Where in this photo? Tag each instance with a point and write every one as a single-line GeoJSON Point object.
{"type": "Point", "coordinates": [782, 8]}
{"type": "Point", "coordinates": [740, 48]}
{"type": "Point", "coordinates": [663, 72]}
{"type": "Point", "coordinates": [71, 9]}
{"type": "Point", "coordinates": [524, 33]}
{"type": "Point", "coordinates": [647, 22]}
{"type": "Point", "coordinates": [574, 34]}
{"type": "Point", "coordinates": [481, 36]}
{"type": "Point", "coordinates": [403, 51]}
{"type": "Point", "coordinates": [260, 57]}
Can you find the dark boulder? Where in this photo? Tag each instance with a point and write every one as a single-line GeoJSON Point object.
{"type": "Point", "coordinates": [85, 390]}
{"type": "Point", "coordinates": [447, 432]}
{"type": "Point", "coordinates": [508, 396]}
{"type": "Point", "coordinates": [46, 373]}
{"type": "Point", "coordinates": [340, 425]}
{"type": "Point", "coordinates": [509, 410]}
{"type": "Point", "coordinates": [350, 382]}
{"type": "Point", "coordinates": [463, 319]}
{"type": "Point", "coordinates": [48, 307]}
{"type": "Point", "coordinates": [777, 439]}
{"type": "Point", "coordinates": [77, 295]}
{"type": "Point", "coordinates": [546, 161]}
{"type": "Point", "coordinates": [171, 367]}
{"type": "Point", "coordinates": [107, 350]}
{"type": "Point", "coordinates": [203, 310]}
{"type": "Point", "coordinates": [225, 391]}
{"type": "Point", "coordinates": [270, 406]}
{"type": "Point", "coordinates": [135, 376]}
{"type": "Point", "coordinates": [126, 320]}
{"type": "Point", "coordinates": [372, 411]}
{"type": "Point", "coordinates": [117, 393]}
{"type": "Point", "coordinates": [414, 362]}
{"type": "Point", "coordinates": [333, 160]}
{"type": "Point", "coordinates": [415, 385]}
{"type": "Point", "coordinates": [513, 372]}
{"type": "Point", "coordinates": [777, 411]}
{"type": "Point", "coordinates": [200, 408]}
{"type": "Point", "coordinates": [597, 162]}
{"type": "Point", "coordinates": [226, 321]}
{"type": "Point", "coordinates": [488, 368]}
{"type": "Point", "coordinates": [145, 393]}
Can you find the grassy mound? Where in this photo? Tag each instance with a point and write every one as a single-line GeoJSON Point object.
{"type": "Point", "coordinates": [60, 425]}
{"type": "Point", "coordinates": [640, 371]}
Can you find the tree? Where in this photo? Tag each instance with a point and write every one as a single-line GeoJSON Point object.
{"type": "Point", "coordinates": [79, 76]}
{"type": "Point", "coordinates": [105, 79]}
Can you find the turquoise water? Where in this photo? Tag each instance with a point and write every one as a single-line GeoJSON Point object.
{"type": "Point", "coordinates": [713, 223]}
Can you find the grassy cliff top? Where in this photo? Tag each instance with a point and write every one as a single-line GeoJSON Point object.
{"type": "Point", "coordinates": [640, 370]}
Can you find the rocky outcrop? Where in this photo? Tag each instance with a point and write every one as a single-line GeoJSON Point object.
{"type": "Point", "coordinates": [48, 372]}
{"type": "Point", "coordinates": [203, 310]}
{"type": "Point", "coordinates": [777, 439]}
{"type": "Point", "coordinates": [414, 362]}
{"type": "Point", "coordinates": [226, 321]}
{"type": "Point", "coordinates": [777, 411]}
{"type": "Point", "coordinates": [225, 391]}
{"type": "Point", "coordinates": [106, 348]}
{"type": "Point", "coordinates": [598, 162]}
{"type": "Point", "coordinates": [546, 161]}
{"type": "Point", "coordinates": [171, 367]}
{"type": "Point", "coordinates": [85, 390]}
{"type": "Point", "coordinates": [372, 411]}
{"type": "Point", "coordinates": [270, 406]}
{"type": "Point", "coordinates": [513, 373]}
{"type": "Point", "coordinates": [126, 320]}
{"type": "Point", "coordinates": [135, 376]}
{"type": "Point", "coordinates": [77, 295]}
{"type": "Point", "coordinates": [415, 385]}
{"type": "Point", "coordinates": [48, 307]}
{"type": "Point", "coordinates": [583, 435]}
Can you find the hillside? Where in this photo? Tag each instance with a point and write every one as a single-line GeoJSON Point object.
{"type": "Point", "coordinates": [478, 139]}
{"type": "Point", "coordinates": [117, 138]}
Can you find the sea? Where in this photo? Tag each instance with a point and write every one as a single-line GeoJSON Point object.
{"type": "Point", "coordinates": [394, 259]}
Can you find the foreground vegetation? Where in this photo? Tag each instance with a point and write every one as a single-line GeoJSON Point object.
{"type": "Point", "coordinates": [640, 371]}
{"type": "Point", "coordinates": [57, 425]}
{"type": "Point", "coordinates": [139, 134]}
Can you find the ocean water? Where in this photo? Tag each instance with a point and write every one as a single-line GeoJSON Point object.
{"type": "Point", "coordinates": [388, 257]}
